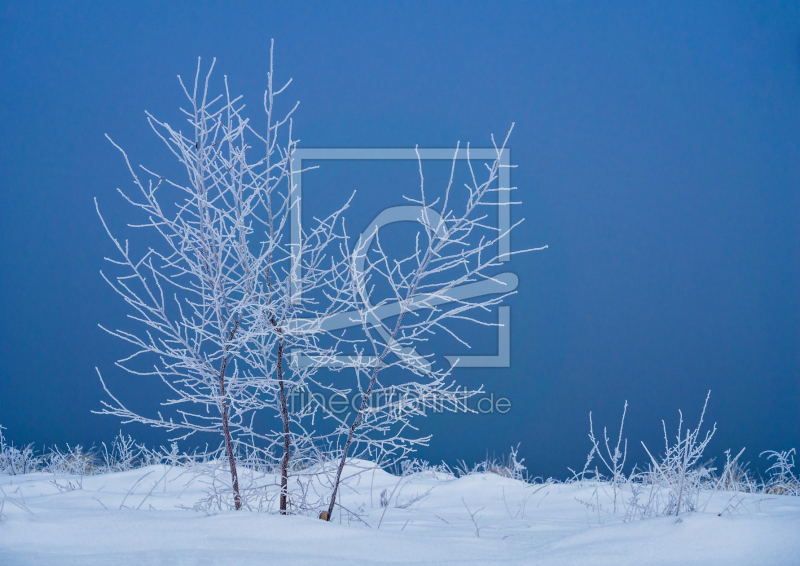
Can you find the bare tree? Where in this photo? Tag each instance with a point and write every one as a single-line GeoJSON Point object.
{"type": "Point", "coordinates": [195, 291]}
{"type": "Point", "coordinates": [287, 343]}
{"type": "Point", "coordinates": [454, 247]}
{"type": "Point", "coordinates": [233, 315]}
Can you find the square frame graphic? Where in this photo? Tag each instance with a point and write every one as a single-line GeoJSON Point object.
{"type": "Point", "coordinates": [503, 358]}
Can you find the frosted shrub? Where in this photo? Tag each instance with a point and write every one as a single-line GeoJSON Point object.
{"type": "Point", "coordinates": [508, 467]}
{"type": "Point", "coordinates": [782, 480]}
{"type": "Point", "coordinates": [124, 454]}
{"type": "Point", "coordinates": [425, 468]}
{"type": "Point", "coordinates": [72, 461]}
{"type": "Point", "coordinates": [614, 460]}
{"type": "Point", "coordinates": [15, 461]}
{"type": "Point", "coordinates": [678, 470]}
{"type": "Point", "coordinates": [670, 485]}
{"type": "Point", "coordinates": [736, 477]}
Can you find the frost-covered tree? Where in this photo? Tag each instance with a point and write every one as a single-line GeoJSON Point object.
{"type": "Point", "coordinates": [235, 317]}
{"type": "Point", "coordinates": [212, 299]}
{"type": "Point", "coordinates": [454, 247]}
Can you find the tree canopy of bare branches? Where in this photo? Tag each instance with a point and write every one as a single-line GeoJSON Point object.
{"type": "Point", "coordinates": [235, 318]}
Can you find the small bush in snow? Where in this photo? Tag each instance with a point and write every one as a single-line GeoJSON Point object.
{"type": "Point", "coordinates": [508, 467]}
{"type": "Point", "coordinates": [15, 461]}
{"type": "Point", "coordinates": [782, 480]}
{"type": "Point", "coordinates": [678, 469]}
{"type": "Point", "coordinates": [72, 461]}
{"type": "Point", "coordinates": [124, 454]}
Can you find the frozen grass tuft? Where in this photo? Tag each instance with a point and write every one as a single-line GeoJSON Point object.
{"type": "Point", "coordinates": [510, 466]}
{"type": "Point", "coordinates": [15, 461]}
{"type": "Point", "coordinates": [782, 480]}
{"type": "Point", "coordinates": [678, 471]}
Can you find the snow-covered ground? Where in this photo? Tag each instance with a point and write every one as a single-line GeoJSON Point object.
{"type": "Point", "coordinates": [105, 522]}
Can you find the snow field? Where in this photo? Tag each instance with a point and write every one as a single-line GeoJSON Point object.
{"type": "Point", "coordinates": [145, 516]}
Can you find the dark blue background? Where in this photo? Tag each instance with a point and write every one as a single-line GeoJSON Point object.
{"type": "Point", "coordinates": [658, 147]}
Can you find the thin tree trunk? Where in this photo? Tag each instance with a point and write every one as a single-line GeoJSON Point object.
{"type": "Point", "coordinates": [286, 439]}
{"type": "Point", "coordinates": [372, 380]}
{"type": "Point", "coordinates": [350, 433]}
{"type": "Point", "coordinates": [225, 429]}
{"type": "Point", "coordinates": [364, 400]}
{"type": "Point", "coordinates": [227, 433]}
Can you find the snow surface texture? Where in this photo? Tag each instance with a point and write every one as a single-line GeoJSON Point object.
{"type": "Point", "coordinates": [141, 517]}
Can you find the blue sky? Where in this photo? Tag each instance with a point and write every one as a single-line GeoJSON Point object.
{"type": "Point", "coordinates": [658, 153]}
